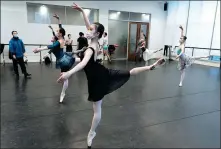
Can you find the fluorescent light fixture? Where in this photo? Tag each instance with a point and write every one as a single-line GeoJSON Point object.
{"type": "Point", "coordinates": [43, 10]}
{"type": "Point", "coordinates": [87, 11]}
{"type": "Point", "coordinates": [118, 12]}
{"type": "Point", "coordinates": [113, 16]}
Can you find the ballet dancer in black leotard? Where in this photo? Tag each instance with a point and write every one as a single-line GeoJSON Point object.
{"type": "Point", "coordinates": [101, 80]}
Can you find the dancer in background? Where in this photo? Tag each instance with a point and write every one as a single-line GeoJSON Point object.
{"type": "Point", "coordinates": [105, 47]}
{"type": "Point", "coordinates": [68, 43]}
{"type": "Point", "coordinates": [101, 80]}
{"type": "Point", "coordinates": [184, 60]}
{"type": "Point", "coordinates": [140, 47]}
{"type": "Point", "coordinates": [63, 60]}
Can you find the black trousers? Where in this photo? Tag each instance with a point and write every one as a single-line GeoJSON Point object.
{"type": "Point", "coordinates": [166, 47]}
{"type": "Point", "coordinates": [21, 62]}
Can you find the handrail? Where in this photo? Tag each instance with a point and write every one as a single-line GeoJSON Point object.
{"type": "Point", "coordinates": [40, 45]}
{"type": "Point", "coordinates": [200, 48]}
{"type": "Point", "coordinates": [193, 48]}
{"type": "Point", "coordinates": [35, 44]}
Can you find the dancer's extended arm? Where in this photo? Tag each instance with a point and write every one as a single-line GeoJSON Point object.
{"type": "Point", "coordinates": [52, 47]}
{"type": "Point", "coordinates": [86, 20]}
{"type": "Point", "coordinates": [87, 55]}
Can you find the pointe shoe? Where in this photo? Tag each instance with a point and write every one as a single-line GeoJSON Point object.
{"type": "Point", "coordinates": [62, 97]}
{"type": "Point", "coordinates": [158, 63]}
{"type": "Point", "coordinates": [161, 61]}
{"type": "Point", "coordinates": [90, 138]}
{"type": "Point", "coordinates": [180, 85]}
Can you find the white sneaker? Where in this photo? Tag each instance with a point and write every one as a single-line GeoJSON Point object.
{"type": "Point", "coordinates": [90, 137]}
{"type": "Point", "coordinates": [180, 85]}
{"type": "Point", "coordinates": [62, 97]}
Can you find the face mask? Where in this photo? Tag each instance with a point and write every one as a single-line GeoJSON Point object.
{"type": "Point", "coordinates": [15, 36]}
{"type": "Point", "coordinates": [57, 35]}
{"type": "Point", "coordinates": [90, 34]}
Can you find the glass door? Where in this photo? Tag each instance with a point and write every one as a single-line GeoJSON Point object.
{"type": "Point", "coordinates": [135, 30]}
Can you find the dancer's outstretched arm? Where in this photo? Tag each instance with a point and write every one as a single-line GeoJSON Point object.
{"type": "Point", "coordinates": [59, 21]}
{"type": "Point", "coordinates": [64, 76]}
{"type": "Point", "coordinates": [86, 20]}
{"type": "Point", "coordinates": [52, 30]}
{"type": "Point", "coordinates": [79, 51]}
{"type": "Point", "coordinates": [182, 34]}
{"type": "Point", "coordinates": [52, 47]}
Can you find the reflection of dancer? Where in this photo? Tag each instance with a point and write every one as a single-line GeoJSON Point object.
{"type": "Point", "coordinates": [101, 80]}
{"type": "Point", "coordinates": [140, 47]}
{"type": "Point", "coordinates": [184, 60]}
{"type": "Point", "coordinates": [63, 60]}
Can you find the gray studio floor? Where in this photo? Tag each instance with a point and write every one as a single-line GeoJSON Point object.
{"type": "Point", "coordinates": [150, 110]}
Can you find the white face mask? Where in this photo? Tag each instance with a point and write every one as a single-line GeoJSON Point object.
{"type": "Point", "coordinates": [90, 34]}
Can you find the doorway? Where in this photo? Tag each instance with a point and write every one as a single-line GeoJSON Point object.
{"type": "Point", "coordinates": [135, 29]}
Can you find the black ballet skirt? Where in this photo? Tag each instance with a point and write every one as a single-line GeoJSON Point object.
{"type": "Point", "coordinates": [101, 80]}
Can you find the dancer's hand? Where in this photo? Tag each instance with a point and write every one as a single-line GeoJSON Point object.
{"type": "Point", "coordinates": [63, 76]}
{"type": "Point", "coordinates": [56, 16]}
{"type": "Point", "coordinates": [25, 55]}
{"type": "Point", "coordinates": [75, 6]}
{"type": "Point", "coordinates": [50, 26]}
{"type": "Point", "coordinates": [14, 57]}
{"type": "Point", "coordinates": [36, 50]}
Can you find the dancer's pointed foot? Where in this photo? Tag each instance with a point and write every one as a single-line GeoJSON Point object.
{"type": "Point", "coordinates": [62, 97]}
{"type": "Point", "coordinates": [90, 138]}
{"type": "Point", "coordinates": [159, 62]}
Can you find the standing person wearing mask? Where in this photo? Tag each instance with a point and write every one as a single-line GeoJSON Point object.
{"type": "Point", "coordinates": [17, 50]}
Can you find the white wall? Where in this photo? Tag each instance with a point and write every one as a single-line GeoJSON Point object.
{"type": "Point", "coordinates": [14, 17]}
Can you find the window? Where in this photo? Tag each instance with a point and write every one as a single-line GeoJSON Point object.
{"type": "Point", "coordinates": [43, 14]}
{"type": "Point", "coordinates": [118, 15]}
{"type": "Point", "coordinates": [75, 17]}
{"type": "Point", "coordinates": [139, 17]}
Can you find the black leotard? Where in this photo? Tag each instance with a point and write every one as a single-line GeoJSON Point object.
{"type": "Point", "coordinates": [101, 80]}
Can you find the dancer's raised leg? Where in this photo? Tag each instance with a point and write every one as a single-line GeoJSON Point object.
{"type": "Point", "coordinates": [138, 70]}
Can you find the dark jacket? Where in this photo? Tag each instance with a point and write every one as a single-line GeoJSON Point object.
{"type": "Point", "coordinates": [16, 47]}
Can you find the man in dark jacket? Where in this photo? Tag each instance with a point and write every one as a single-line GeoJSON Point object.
{"type": "Point", "coordinates": [81, 42]}
{"type": "Point", "coordinates": [17, 50]}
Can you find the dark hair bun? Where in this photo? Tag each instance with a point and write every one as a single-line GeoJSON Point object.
{"type": "Point", "coordinates": [100, 29]}
{"type": "Point", "coordinates": [62, 31]}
